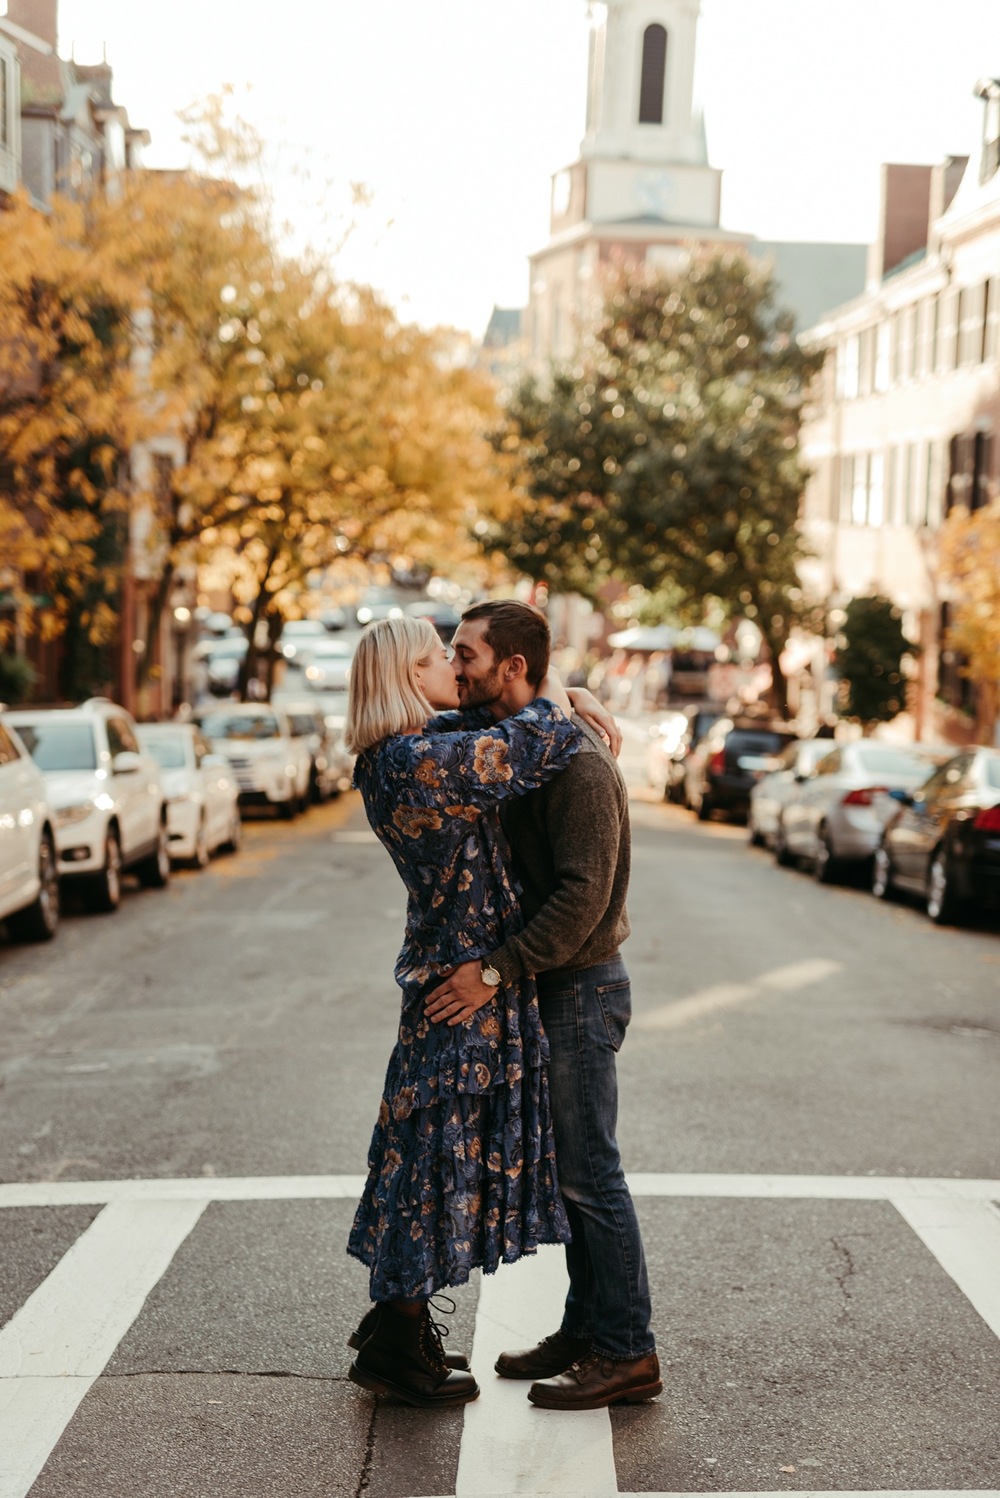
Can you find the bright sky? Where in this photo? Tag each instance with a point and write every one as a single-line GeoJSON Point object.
{"type": "Point", "coordinates": [454, 113]}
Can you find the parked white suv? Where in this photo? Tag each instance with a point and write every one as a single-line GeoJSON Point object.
{"type": "Point", "coordinates": [105, 792]}
{"type": "Point", "coordinates": [29, 885]}
{"type": "Point", "coordinates": [271, 765]}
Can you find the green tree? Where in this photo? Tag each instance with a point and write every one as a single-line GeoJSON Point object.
{"type": "Point", "coordinates": [869, 661]}
{"type": "Point", "coordinates": [668, 455]}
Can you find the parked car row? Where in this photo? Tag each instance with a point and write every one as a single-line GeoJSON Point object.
{"type": "Point", "coordinates": [86, 795]}
{"type": "Point", "coordinates": [919, 826]}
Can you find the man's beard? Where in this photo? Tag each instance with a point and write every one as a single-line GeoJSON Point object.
{"type": "Point", "coordinates": [482, 693]}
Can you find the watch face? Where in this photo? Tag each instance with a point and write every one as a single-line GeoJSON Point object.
{"type": "Point", "coordinates": [491, 976]}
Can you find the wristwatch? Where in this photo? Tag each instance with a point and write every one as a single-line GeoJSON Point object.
{"type": "Point", "coordinates": [491, 977]}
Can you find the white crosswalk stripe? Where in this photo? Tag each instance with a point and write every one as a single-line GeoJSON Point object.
{"type": "Point", "coordinates": [59, 1342]}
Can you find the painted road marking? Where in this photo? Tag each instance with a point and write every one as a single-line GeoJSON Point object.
{"type": "Point", "coordinates": [55, 1347]}
{"type": "Point", "coordinates": [327, 1188]}
{"type": "Point", "coordinates": [719, 996]}
{"type": "Point", "coordinates": [61, 1339]}
{"type": "Point", "coordinates": [964, 1237]}
{"type": "Point", "coordinates": [507, 1445]}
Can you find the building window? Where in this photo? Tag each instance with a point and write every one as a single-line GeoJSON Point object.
{"type": "Point", "coordinates": [883, 345]}
{"type": "Point", "coordinates": [851, 366]}
{"type": "Point", "coordinates": [859, 498]}
{"type": "Point", "coordinates": [909, 480]}
{"type": "Point", "coordinates": [908, 353]}
{"type": "Point", "coordinates": [876, 489]}
{"type": "Point", "coordinates": [935, 334]}
{"type": "Point", "coordinates": [891, 486]}
{"type": "Point", "coordinates": [4, 107]}
{"type": "Point", "coordinates": [846, 489]}
{"type": "Point", "coordinates": [654, 75]}
{"type": "Point", "coordinates": [989, 318]}
{"type": "Point", "coordinates": [972, 325]}
{"type": "Point", "coordinates": [932, 486]}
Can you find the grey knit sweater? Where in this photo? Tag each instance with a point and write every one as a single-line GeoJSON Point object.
{"type": "Point", "coordinates": [571, 847]}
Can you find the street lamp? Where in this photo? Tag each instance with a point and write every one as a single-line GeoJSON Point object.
{"type": "Point", "coordinates": [182, 624]}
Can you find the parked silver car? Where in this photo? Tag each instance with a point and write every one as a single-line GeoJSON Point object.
{"type": "Point", "coordinates": [836, 815]}
{"type": "Point", "coordinates": [770, 795]}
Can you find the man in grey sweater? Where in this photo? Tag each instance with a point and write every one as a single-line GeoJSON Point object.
{"type": "Point", "coordinates": [571, 849]}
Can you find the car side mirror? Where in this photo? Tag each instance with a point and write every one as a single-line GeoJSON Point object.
{"type": "Point", "coordinates": [126, 763]}
{"type": "Point", "coordinates": [905, 798]}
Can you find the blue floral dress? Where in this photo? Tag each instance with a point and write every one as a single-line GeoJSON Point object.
{"type": "Point", "coordinates": [461, 1166]}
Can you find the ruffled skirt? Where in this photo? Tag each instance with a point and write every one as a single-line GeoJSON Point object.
{"type": "Point", "coordinates": [464, 1179]}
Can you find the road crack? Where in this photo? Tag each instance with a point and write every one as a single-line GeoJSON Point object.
{"type": "Point", "coordinates": [847, 1273]}
{"type": "Point", "coordinates": [365, 1476]}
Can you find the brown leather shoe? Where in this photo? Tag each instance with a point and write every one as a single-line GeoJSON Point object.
{"type": "Point", "coordinates": [595, 1382]}
{"type": "Point", "coordinates": [551, 1355]}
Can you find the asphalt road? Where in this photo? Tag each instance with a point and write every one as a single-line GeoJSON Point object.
{"type": "Point", "coordinates": [236, 1027]}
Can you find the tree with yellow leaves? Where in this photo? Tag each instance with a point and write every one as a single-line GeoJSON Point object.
{"type": "Point", "coordinates": [67, 418]}
{"type": "Point", "coordinates": [970, 562]}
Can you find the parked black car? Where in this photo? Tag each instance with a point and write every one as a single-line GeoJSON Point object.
{"type": "Point", "coordinates": [724, 768]}
{"type": "Point", "coordinates": [944, 841]}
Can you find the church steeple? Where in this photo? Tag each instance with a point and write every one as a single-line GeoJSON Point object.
{"type": "Point", "coordinates": [640, 97]}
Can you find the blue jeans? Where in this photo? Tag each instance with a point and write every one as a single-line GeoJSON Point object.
{"type": "Point", "coordinates": [585, 1014]}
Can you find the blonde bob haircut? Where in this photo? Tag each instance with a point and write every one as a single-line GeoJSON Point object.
{"type": "Point", "coordinates": [383, 697]}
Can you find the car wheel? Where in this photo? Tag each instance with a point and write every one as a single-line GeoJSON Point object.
{"type": "Point", "coordinates": [704, 809]}
{"type": "Point", "coordinates": [154, 871]}
{"type": "Point", "coordinates": [756, 838]}
{"type": "Point", "coordinates": [882, 874]}
{"type": "Point", "coordinates": [824, 863]}
{"type": "Point", "coordinates": [202, 853]}
{"type": "Point", "coordinates": [106, 889]}
{"type": "Point", "coordinates": [39, 921]}
{"type": "Point", "coordinates": [942, 905]}
{"type": "Point", "coordinates": [782, 853]}
{"type": "Point", "coordinates": [234, 841]}
{"type": "Point", "coordinates": [287, 809]}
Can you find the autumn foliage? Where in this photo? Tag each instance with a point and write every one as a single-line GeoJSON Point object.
{"type": "Point", "coordinates": [306, 424]}
{"type": "Point", "coordinates": [970, 562]}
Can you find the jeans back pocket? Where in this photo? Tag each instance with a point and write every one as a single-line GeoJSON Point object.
{"type": "Point", "coordinates": [615, 1000]}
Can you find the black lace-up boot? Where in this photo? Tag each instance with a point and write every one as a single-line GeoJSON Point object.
{"type": "Point", "coordinates": [366, 1327]}
{"type": "Point", "coordinates": [404, 1356]}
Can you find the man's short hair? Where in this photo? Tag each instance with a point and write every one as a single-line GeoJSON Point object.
{"type": "Point", "coordinates": [514, 628]}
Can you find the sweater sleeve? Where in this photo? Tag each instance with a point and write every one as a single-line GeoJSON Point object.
{"type": "Point", "coordinates": [583, 818]}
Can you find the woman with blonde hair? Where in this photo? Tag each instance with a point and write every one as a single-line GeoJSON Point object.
{"type": "Point", "coordinates": [462, 1162]}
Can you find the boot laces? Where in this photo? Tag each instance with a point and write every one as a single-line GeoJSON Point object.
{"type": "Point", "coordinates": [436, 1331]}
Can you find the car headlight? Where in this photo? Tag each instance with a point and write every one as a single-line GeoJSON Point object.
{"type": "Point", "coordinates": [79, 812]}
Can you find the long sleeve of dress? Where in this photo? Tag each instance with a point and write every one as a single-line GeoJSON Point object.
{"type": "Point", "coordinates": [465, 772]}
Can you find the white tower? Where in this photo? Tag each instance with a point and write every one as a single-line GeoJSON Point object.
{"type": "Point", "coordinates": [641, 190]}
{"type": "Point", "coordinates": [644, 152]}
{"type": "Point", "coordinates": [640, 97]}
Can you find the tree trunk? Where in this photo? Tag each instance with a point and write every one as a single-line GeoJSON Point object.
{"type": "Point", "coordinates": [249, 667]}
{"type": "Point", "coordinates": [779, 683]}
{"type": "Point", "coordinates": [157, 604]}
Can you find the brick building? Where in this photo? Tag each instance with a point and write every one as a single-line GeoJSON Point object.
{"type": "Point", "coordinates": [905, 424]}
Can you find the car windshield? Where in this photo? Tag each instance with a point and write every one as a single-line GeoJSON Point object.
{"type": "Point", "coordinates": [168, 752]}
{"type": "Point", "coordinates": [59, 745]}
{"type": "Point", "coordinates": [236, 725]}
{"type": "Point", "coordinates": [878, 759]}
{"type": "Point", "coordinates": [993, 773]}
